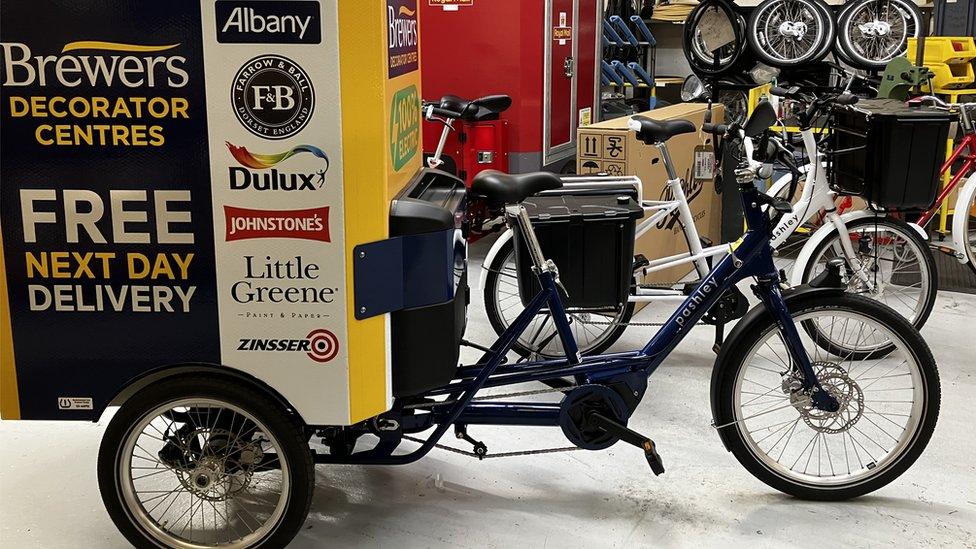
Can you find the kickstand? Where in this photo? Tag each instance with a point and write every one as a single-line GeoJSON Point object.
{"type": "Point", "coordinates": [630, 437]}
{"type": "Point", "coordinates": [719, 336]}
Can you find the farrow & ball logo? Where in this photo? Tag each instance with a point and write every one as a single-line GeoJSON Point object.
{"type": "Point", "coordinates": [272, 97]}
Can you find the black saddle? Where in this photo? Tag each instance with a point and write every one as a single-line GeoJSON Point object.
{"type": "Point", "coordinates": [651, 131]}
{"type": "Point", "coordinates": [505, 188]}
{"type": "Point", "coordinates": [483, 108]}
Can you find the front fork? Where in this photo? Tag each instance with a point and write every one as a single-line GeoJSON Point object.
{"type": "Point", "coordinates": [769, 293]}
{"type": "Point", "coordinates": [850, 254]}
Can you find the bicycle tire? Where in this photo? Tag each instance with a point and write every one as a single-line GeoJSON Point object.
{"type": "Point", "coordinates": [758, 461]}
{"type": "Point", "coordinates": [732, 54]}
{"type": "Point", "coordinates": [926, 261]}
{"type": "Point", "coordinates": [857, 56]}
{"type": "Point", "coordinates": [761, 44]}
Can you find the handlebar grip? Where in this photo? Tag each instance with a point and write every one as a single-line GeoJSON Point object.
{"type": "Point", "coordinates": [443, 112]}
{"type": "Point", "coordinates": [846, 99]}
{"type": "Point", "coordinates": [715, 128]}
{"type": "Point", "coordinates": [779, 92]}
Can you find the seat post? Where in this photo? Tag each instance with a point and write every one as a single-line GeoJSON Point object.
{"type": "Point", "coordinates": [521, 216]}
{"type": "Point", "coordinates": [666, 158]}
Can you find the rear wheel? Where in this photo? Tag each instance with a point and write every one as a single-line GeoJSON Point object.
{"type": "Point", "coordinates": [205, 462]}
{"type": "Point", "coordinates": [888, 404]}
{"type": "Point", "coordinates": [595, 329]}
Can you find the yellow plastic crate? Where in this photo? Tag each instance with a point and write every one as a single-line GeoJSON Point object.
{"type": "Point", "coordinates": [945, 49]}
{"type": "Point", "coordinates": [951, 77]}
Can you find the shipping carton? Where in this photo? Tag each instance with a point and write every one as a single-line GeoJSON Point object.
{"type": "Point", "coordinates": [610, 147]}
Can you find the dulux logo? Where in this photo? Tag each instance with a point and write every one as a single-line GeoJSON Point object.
{"type": "Point", "coordinates": [261, 22]}
{"type": "Point", "coordinates": [259, 174]}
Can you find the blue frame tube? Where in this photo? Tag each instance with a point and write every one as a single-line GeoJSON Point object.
{"type": "Point", "coordinates": [751, 256]}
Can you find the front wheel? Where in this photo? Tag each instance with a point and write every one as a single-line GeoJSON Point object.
{"type": "Point", "coordinates": [204, 462]}
{"type": "Point", "coordinates": [897, 265]}
{"type": "Point", "coordinates": [888, 404]}
{"type": "Point", "coordinates": [969, 231]}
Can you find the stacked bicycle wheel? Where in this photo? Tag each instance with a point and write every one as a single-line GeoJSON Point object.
{"type": "Point", "coordinates": [865, 34]}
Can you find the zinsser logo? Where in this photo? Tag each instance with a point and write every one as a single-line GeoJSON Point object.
{"type": "Point", "coordinates": [245, 223]}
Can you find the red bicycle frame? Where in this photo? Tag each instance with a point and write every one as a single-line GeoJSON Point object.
{"type": "Point", "coordinates": [968, 143]}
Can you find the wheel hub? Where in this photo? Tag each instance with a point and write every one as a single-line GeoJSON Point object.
{"type": "Point", "coordinates": [794, 29]}
{"type": "Point", "coordinates": [875, 28]}
{"type": "Point", "coordinates": [840, 386]}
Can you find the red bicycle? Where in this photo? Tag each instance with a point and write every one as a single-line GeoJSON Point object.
{"type": "Point", "coordinates": [963, 242]}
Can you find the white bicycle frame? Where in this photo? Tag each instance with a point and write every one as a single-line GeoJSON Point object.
{"type": "Point", "coordinates": [815, 197]}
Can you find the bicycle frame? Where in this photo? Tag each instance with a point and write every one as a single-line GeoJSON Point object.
{"type": "Point", "coordinates": [968, 143]}
{"type": "Point", "coordinates": [750, 256]}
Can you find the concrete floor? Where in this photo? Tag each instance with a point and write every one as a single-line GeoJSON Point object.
{"type": "Point", "coordinates": [49, 495]}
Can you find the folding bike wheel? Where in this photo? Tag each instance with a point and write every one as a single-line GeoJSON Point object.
{"type": "Point", "coordinates": [870, 33]}
{"type": "Point", "coordinates": [789, 33]}
{"type": "Point", "coordinates": [695, 45]}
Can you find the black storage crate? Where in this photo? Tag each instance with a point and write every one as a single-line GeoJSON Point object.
{"type": "Point", "coordinates": [889, 153]}
{"type": "Point", "coordinates": [591, 240]}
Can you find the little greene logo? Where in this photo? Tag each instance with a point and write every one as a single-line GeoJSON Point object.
{"type": "Point", "coordinates": [262, 22]}
{"type": "Point", "coordinates": [272, 97]}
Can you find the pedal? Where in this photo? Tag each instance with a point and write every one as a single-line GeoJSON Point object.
{"type": "Point", "coordinates": [653, 459]}
{"type": "Point", "coordinates": [479, 448]}
{"type": "Point", "coordinates": [631, 437]}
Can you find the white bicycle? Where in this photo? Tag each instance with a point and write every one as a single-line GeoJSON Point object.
{"type": "Point", "coordinates": [886, 258]}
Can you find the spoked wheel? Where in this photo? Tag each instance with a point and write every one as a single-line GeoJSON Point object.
{"type": "Point", "coordinates": [736, 103]}
{"type": "Point", "coordinates": [896, 262]}
{"type": "Point", "coordinates": [873, 32]}
{"type": "Point", "coordinates": [595, 329]}
{"type": "Point", "coordinates": [789, 33]}
{"type": "Point", "coordinates": [203, 462]}
{"type": "Point", "coordinates": [697, 47]}
{"type": "Point", "coordinates": [888, 404]}
{"type": "Point", "coordinates": [969, 232]}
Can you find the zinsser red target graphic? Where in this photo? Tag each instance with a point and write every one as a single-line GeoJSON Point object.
{"type": "Point", "coordinates": [325, 345]}
{"type": "Point", "coordinates": [245, 223]}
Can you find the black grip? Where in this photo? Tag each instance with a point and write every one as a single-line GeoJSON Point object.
{"type": "Point", "coordinates": [846, 99]}
{"type": "Point", "coordinates": [715, 128]}
{"type": "Point", "coordinates": [779, 92]}
{"type": "Point", "coordinates": [445, 113]}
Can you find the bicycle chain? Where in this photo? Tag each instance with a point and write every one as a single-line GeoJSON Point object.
{"type": "Point", "coordinates": [498, 455]}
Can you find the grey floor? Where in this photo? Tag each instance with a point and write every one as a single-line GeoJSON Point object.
{"type": "Point", "coordinates": [49, 495]}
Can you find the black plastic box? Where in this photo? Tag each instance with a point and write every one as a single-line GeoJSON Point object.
{"type": "Point", "coordinates": [591, 240]}
{"type": "Point", "coordinates": [889, 153]}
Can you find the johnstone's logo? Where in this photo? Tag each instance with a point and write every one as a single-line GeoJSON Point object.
{"type": "Point", "coordinates": [401, 46]}
{"type": "Point", "coordinates": [272, 96]}
{"type": "Point", "coordinates": [308, 224]}
{"type": "Point", "coordinates": [259, 171]}
{"type": "Point", "coordinates": [262, 22]}
{"type": "Point", "coordinates": [94, 63]}
{"type": "Point", "coordinates": [320, 345]}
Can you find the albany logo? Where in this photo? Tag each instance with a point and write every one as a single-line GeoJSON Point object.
{"type": "Point", "coordinates": [95, 63]}
{"type": "Point", "coordinates": [308, 224]}
{"type": "Point", "coordinates": [258, 171]}
{"type": "Point", "coordinates": [262, 22]}
{"type": "Point", "coordinates": [320, 345]}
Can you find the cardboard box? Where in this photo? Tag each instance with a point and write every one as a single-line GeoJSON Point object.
{"type": "Point", "coordinates": [611, 147]}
